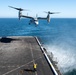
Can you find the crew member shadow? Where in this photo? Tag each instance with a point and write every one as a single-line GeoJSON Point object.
{"type": "Point", "coordinates": [28, 70]}
{"type": "Point", "coordinates": [6, 40]}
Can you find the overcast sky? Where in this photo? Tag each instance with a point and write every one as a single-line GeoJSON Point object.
{"type": "Point", "coordinates": [67, 8]}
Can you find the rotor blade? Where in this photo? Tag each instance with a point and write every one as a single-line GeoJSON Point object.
{"type": "Point", "coordinates": [18, 8]}
{"type": "Point", "coordinates": [13, 7]}
{"type": "Point", "coordinates": [45, 12]}
{"type": "Point", "coordinates": [53, 12]}
{"type": "Point", "coordinates": [26, 10]}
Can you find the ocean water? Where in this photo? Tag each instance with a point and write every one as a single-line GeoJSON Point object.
{"type": "Point", "coordinates": [58, 37]}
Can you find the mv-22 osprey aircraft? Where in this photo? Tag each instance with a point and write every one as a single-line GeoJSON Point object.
{"type": "Point", "coordinates": [32, 19]}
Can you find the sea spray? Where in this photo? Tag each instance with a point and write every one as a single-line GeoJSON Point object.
{"type": "Point", "coordinates": [66, 59]}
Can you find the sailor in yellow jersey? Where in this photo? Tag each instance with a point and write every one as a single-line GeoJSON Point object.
{"type": "Point", "coordinates": [35, 66]}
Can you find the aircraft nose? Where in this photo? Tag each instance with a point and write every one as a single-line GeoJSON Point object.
{"type": "Point", "coordinates": [37, 23]}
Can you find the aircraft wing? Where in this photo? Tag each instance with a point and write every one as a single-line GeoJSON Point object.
{"type": "Point", "coordinates": [27, 17]}
{"type": "Point", "coordinates": [41, 18]}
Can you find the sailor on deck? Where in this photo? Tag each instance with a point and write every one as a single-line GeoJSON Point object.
{"type": "Point", "coordinates": [34, 66]}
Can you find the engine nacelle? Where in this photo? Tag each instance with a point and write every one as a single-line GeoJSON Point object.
{"type": "Point", "coordinates": [19, 15]}
{"type": "Point", "coordinates": [48, 18]}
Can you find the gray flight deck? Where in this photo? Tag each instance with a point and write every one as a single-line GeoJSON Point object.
{"type": "Point", "coordinates": [17, 55]}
